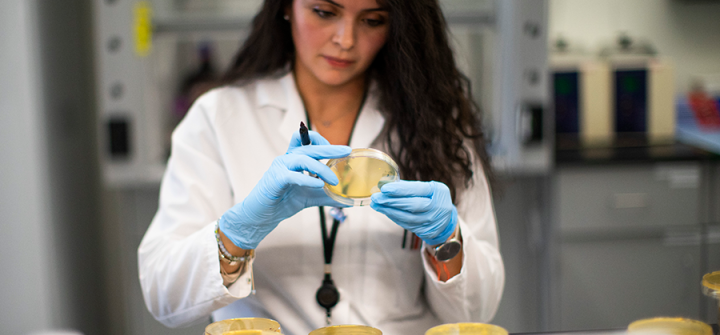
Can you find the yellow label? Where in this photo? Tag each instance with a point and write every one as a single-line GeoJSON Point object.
{"type": "Point", "coordinates": [142, 28]}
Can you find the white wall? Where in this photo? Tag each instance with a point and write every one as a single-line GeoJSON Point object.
{"type": "Point", "coordinates": [25, 294]}
{"type": "Point", "coordinates": [685, 31]}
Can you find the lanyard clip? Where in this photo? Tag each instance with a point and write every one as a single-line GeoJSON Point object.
{"type": "Point", "coordinates": [338, 214]}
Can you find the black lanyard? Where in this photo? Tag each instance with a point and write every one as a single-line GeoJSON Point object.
{"type": "Point", "coordinates": [328, 241]}
{"type": "Point", "coordinates": [327, 295]}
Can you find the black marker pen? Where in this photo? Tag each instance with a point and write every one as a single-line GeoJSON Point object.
{"type": "Point", "coordinates": [305, 140]}
{"type": "Point", "coordinates": [304, 135]}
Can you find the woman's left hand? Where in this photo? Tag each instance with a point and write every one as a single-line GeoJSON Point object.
{"type": "Point", "coordinates": [424, 208]}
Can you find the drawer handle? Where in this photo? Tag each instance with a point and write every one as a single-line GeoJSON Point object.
{"type": "Point", "coordinates": [630, 200]}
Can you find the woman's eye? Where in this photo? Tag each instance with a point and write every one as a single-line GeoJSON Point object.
{"type": "Point", "coordinates": [322, 13]}
{"type": "Point", "coordinates": [374, 22]}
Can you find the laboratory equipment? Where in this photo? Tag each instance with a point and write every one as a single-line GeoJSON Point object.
{"type": "Point", "coordinates": [467, 329]}
{"type": "Point", "coordinates": [642, 91]}
{"type": "Point", "coordinates": [361, 174]}
{"type": "Point", "coordinates": [581, 94]}
{"type": "Point", "coordinates": [625, 93]}
{"type": "Point", "coordinates": [244, 326]}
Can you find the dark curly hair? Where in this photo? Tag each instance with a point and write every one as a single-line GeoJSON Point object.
{"type": "Point", "coordinates": [430, 115]}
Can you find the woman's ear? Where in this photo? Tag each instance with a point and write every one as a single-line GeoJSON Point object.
{"type": "Point", "coordinates": [288, 12]}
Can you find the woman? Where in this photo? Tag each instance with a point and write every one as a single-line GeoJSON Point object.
{"type": "Point", "coordinates": [363, 73]}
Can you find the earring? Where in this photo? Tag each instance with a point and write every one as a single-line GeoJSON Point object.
{"type": "Point", "coordinates": [286, 17]}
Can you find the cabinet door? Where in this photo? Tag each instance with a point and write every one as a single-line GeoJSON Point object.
{"type": "Point", "coordinates": [610, 283]}
{"type": "Point", "coordinates": [628, 244]}
{"type": "Point", "coordinates": [627, 197]}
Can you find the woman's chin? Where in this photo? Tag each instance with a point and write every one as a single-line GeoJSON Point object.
{"type": "Point", "coordinates": [338, 79]}
{"type": "Point", "coordinates": [324, 74]}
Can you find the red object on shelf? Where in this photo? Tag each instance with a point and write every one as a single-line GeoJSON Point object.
{"type": "Point", "coordinates": [705, 109]}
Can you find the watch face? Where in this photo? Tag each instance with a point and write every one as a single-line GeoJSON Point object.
{"type": "Point", "coordinates": [448, 250]}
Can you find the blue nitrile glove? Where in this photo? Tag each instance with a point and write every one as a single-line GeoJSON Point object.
{"type": "Point", "coordinates": [424, 208]}
{"type": "Point", "coordinates": [283, 191]}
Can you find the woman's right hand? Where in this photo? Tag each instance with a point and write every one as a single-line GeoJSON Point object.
{"type": "Point", "coordinates": [283, 191]}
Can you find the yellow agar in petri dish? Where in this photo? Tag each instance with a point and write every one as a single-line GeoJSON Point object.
{"type": "Point", "coordinates": [711, 284]}
{"type": "Point", "coordinates": [346, 330]}
{"type": "Point", "coordinates": [467, 329]}
{"type": "Point", "coordinates": [361, 174]}
{"type": "Point", "coordinates": [670, 326]}
{"type": "Point", "coordinates": [244, 326]}
{"type": "Point", "coordinates": [711, 287]}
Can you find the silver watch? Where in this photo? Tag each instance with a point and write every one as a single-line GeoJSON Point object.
{"type": "Point", "coordinates": [446, 251]}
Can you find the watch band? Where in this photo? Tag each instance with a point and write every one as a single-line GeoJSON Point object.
{"type": "Point", "coordinates": [448, 250]}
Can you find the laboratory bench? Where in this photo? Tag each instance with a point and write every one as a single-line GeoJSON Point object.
{"type": "Point", "coordinates": [569, 151]}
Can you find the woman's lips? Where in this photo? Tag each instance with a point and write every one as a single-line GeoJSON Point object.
{"type": "Point", "coordinates": [337, 62]}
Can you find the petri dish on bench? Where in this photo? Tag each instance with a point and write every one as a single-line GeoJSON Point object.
{"type": "Point", "coordinates": [361, 174]}
{"type": "Point", "coordinates": [669, 326]}
{"type": "Point", "coordinates": [244, 326]}
{"type": "Point", "coordinates": [467, 329]}
{"type": "Point", "coordinates": [347, 330]}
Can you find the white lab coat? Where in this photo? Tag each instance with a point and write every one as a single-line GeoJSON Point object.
{"type": "Point", "coordinates": [219, 152]}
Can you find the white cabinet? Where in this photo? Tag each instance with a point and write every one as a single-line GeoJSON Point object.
{"type": "Point", "coordinates": [627, 244]}
{"type": "Point", "coordinates": [610, 282]}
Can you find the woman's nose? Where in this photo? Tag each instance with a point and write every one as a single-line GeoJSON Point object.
{"type": "Point", "coordinates": [345, 35]}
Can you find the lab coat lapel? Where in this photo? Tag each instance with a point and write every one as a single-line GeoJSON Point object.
{"type": "Point", "coordinates": [368, 126]}
{"type": "Point", "coordinates": [282, 93]}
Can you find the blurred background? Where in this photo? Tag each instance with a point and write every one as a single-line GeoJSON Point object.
{"type": "Point", "coordinates": [603, 126]}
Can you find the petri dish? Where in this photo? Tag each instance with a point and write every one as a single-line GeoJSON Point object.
{"type": "Point", "coordinates": [346, 330]}
{"type": "Point", "coordinates": [711, 284]}
{"type": "Point", "coordinates": [711, 287]}
{"type": "Point", "coordinates": [361, 174]}
{"type": "Point", "coordinates": [244, 326]}
{"type": "Point", "coordinates": [467, 329]}
{"type": "Point", "coordinates": [670, 326]}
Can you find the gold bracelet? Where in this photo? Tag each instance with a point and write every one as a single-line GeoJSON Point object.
{"type": "Point", "coordinates": [230, 278]}
{"type": "Point", "coordinates": [225, 255]}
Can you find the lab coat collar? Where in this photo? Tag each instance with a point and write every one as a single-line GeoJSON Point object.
{"type": "Point", "coordinates": [282, 93]}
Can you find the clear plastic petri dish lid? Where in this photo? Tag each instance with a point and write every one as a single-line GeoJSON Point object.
{"type": "Point", "coordinates": [361, 174]}
{"type": "Point", "coordinates": [346, 330]}
{"type": "Point", "coordinates": [711, 284]}
{"type": "Point", "coordinates": [669, 326]}
{"type": "Point", "coordinates": [467, 328]}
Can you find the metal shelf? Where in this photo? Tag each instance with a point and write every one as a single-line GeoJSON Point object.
{"type": "Point", "coordinates": [190, 16]}
{"type": "Point", "coordinates": [211, 24]}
